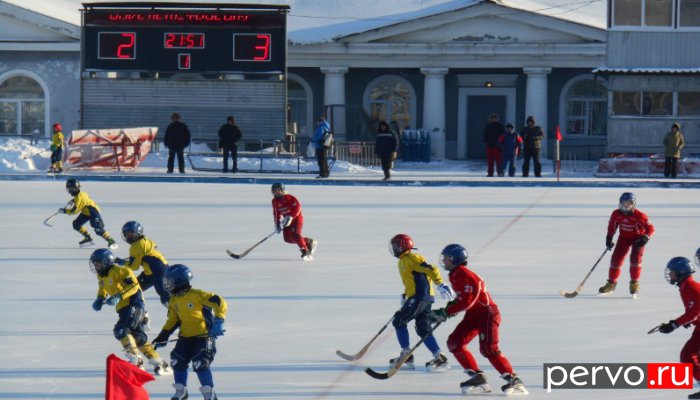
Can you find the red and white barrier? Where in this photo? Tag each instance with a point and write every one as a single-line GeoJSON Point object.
{"type": "Point", "coordinates": [653, 165]}
{"type": "Point", "coordinates": [108, 148]}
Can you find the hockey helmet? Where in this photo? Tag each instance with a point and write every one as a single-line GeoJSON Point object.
{"type": "Point", "coordinates": [132, 231]}
{"type": "Point", "coordinates": [101, 260]}
{"type": "Point", "coordinates": [73, 186]}
{"type": "Point", "coordinates": [278, 186]}
{"type": "Point", "coordinates": [453, 255]}
{"type": "Point", "coordinates": [400, 244]}
{"type": "Point", "coordinates": [57, 127]}
{"type": "Point", "coordinates": [627, 202]}
{"type": "Point", "coordinates": [681, 268]}
{"type": "Point", "coordinates": [697, 257]}
{"type": "Point", "coordinates": [176, 279]}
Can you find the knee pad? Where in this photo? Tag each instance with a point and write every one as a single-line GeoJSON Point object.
{"type": "Point", "coordinates": [76, 225]}
{"type": "Point", "coordinates": [177, 362]}
{"type": "Point", "coordinates": [98, 225]}
{"type": "Point", "coordinates": [120, 332]}
{"type": "Point", "coordinates": [423, 328]}
{"type": "Point", "coordinates": [398, 321]}
{"type": "Point", "coordinates": [140, 338]}
{"type": "Point", "coordinates": [489, 350]}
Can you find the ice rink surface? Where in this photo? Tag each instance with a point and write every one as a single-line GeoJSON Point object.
{"type": "Point", "coordinates": [288, 317]}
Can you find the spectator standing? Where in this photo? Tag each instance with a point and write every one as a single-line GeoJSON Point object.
{"type": "Point", "coordinates": [177, 137]}
{"type": "Point", "coordinates": [57, 143]}
{"type": "Point", "coordinates": [532, 143]}
{"type": "Point", "coordinates": [385, 148]}
{"type": "Point", "coordinates": [322, 128]}
{"type": "Point", "coordinates": [492, 131]}
{"type": "Point", "coordinates": [510, 143]}
{"type": "Point", "coordinates": [229, 135]}
{"type": "Point", "coordinates": [673, 143]}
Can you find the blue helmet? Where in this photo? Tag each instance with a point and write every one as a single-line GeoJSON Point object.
{"type": "Point", "coordinates": [456, 253]}
{"type": "Point", "coordinates": [697, 257]}
{"type": "Point", "coordinates": [132, 231]}
{"type": "Point", "coordinates": [101, 260]}
{"type": "Point", "coordinates": [681, 268]}
{"type": "Point", "coordinates": [627, 202]}
{"type": "Point", "coordinates": [176, 279]}
{"type": "Point", "coordinates": [278, 185]}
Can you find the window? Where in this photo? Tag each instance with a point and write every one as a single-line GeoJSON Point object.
{"type": "Point", "coordinates": [688, 104]}
{"type": "Point", "coordinates": [390, 99]}
{"type": "Point", "coordinates": [586, 108]}
{"type": "Point", "coordinates": [22, 106]}
{"type": "Point", "coordinates": [690, 13]}
{"type": "Point", "coordinates": [297, 106]}
{"type": "Point", "coordinates": [643, 103]}
{"type": "Point", "coordinates": [627, 12]}
{"type": "Point", "coordinates": [656, 13]}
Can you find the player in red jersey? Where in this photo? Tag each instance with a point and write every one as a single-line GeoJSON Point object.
{"type": "Point", "coordinates": [635, 231]}
{"type": "Point", "coordinates": [481, 319]}
{"type": "Point", "coordinates": [286, 212]}
{"type": "Point", "coordinates": [678, 272]}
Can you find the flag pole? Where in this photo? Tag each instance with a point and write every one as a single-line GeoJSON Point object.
{"type": "Point", "coordinates": [558, 161]}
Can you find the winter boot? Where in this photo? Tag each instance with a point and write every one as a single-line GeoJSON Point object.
{"type": "Point", "coordinates": [408, 364]}
{"type": "Point", "coordinates": [180, 392]}
{"type": "Point", "coordinates": [112, 244]}
{"type": "Point", "coordinates": [634, 287]}
{"type": "Point", "coordinates": [87, 241]}
{"type": "Point", "coordinates": [160, 367]}
{"type": "Point", "coordinates": [208, 393]}
{"type": "Point", "coordinates": [695, 395]}
{"type": "Point", "coordinates": [476, 383]}
{"type": "Point", "coordinates": [439, 363]}
{"type": "Point", "coordinates": [513, 386]}
{"type": "Point", "coordinates": [609, 287]}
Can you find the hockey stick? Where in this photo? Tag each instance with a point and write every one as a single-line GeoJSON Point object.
{"type": "Point", "coordinates": [397, 366]}
{"type": "Point", "coordinates": [364, 349]}
{"type": "Point", "coordinates": [47, 220]}
{"type": "Point", "coordinates": [245, 253]}
{"type": "Point", "coordinates": [654, 329]}
{"type": "Point", "coordinates": [580, 286]}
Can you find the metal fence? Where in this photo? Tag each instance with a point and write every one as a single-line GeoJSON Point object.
{"type": "Point", "coordinates": [358, 153]}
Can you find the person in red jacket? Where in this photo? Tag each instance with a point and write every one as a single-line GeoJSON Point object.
{"type": "Point", "coordinates": [481, 319]}
{"type": "Point", "coordinates": [286, 212]}
{"type": "Point", "coordinates": [635, 231]}
{"type": "Point", "coordinates": [678, 272]}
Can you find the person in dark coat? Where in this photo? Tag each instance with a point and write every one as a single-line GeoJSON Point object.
{"type": "Point", "coordinates": [532, 144]}
{"type": "Point", "coordinates": [177, 137]}
{"type": "Point", "coordinates": [492, 131]}
{"type": "Point", "coordinates": [229, 135]}
{"type": "Point", "coordinates": [385, 148]}
{"type": "Point", "coordinates": [511, 144]}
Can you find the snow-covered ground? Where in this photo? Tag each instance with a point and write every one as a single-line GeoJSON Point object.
{"type": "Point", "coordinates": [288, 317]}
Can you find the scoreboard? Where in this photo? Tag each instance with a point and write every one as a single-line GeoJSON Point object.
{"type": "Point", "coordinates": [184, 37]}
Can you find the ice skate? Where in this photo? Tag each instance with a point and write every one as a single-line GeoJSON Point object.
{"type": "Point", "coordinates": [476, 383]}
{"type": "Point", "coordinates": [438, 364]}
{"type": "Point", "coordinates": [208, 393]}
{"type": "Point", "coordinates": [608, 288]}
{"type": "Point", "coordinates": [634, 288]}
{"type": "Point", "coordinates": [514, 386]}
{"type": "Point", "coordinates": [160, 367]}
{"type": "Point", "coordinates": [86, 242]}
{"type": "Point", "coordinates": [306, 255]}
{"type": "Point", "coordinates": [408, 364]}
{"type": "Point", "coordinates": [695, 395]}
{"type": "Point", "coordinates": [136, 360]}
{"type": "Point", "coordinates": [180, 392]}
{"type": "Point", "coordinates": [112, 244]}
{"type": "Point", "coordinates": [312, 244]}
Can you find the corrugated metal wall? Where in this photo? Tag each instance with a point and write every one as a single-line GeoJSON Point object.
{"type": "Point", "coordinates": [653, 49]}
{"type": "Point", "coordinates": [259, 106]}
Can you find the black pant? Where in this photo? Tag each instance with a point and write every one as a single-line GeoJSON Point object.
{"type": "Point", "coordinates": [180, 159]}
{"type": "Point", "coordinates": [534, 154]}
{"type": "Point", "coordinates": [386, 165]}
{"type": "Point", "coordinates": [322, 159]}
{"type": "Point", "coordinates": [234, 155]}
{"type": "Point", "coordinates": [671, 167]}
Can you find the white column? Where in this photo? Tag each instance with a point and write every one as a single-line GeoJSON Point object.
{"type": "Point", "coordinates": [434, 109]}
{"type": "Point", "coordinates": [334, 94]}
{"type": "Point", "coordinates": [536, 100]}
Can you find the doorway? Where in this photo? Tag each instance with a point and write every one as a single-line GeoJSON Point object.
{"type": "Point", "coordinates": [475, 106]}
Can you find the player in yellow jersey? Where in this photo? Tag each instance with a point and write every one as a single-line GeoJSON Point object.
{"type": "Point", "coordinates": [120, 284]}
{"type": "Point", "coordinates": [87, 210]}
{"type": "Point", "coordinates": [57, 142]}
{"type": "Point", "coordinates": [143, 252]}
{"type": "Point", "coordinates": [200, 316]}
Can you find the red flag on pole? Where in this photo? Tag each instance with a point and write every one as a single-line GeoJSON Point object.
{"type": "Point", "coordinates": [125, 380]}
{"type": "Point", "coordinates": [558, 132]}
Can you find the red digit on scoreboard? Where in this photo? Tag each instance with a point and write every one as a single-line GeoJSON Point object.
{"type": "Point", "coordinates": [262, 49]}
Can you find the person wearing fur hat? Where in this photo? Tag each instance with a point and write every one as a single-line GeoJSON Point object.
{"type": "Point", "coordinates": [532, 143]}
{"type": "Point", "coordinates": [673, 143]}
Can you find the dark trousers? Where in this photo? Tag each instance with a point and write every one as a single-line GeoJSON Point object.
{"type": "Point", "coordinates": [386, 165]}
{"type": "Point", "coordinates": [234, 155]}
{"type": "Point", "coordinates": [508, 160]}
{"type": "Point", "coordinates": [180, 159]}
{"type": "Point", "coordinates": [533, 154]}
{"type": "Point", "coordinates": [322, 159]}
{"type": "Point", "coordinates": [671, 167]}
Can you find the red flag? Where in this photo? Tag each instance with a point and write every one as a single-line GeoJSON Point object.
{"type": "Point", "coordinates": [558, 132]}
{"type": "Point", "coordinates": [124, 380]}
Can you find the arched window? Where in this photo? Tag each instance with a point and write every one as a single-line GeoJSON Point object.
{"type": "Point", "coordinates": [391, 98]}
{"type": "Point", "coordinates": [298, 106]}
{"type": "Point", "coordinates": [22, 106]}
{"type": "Point", "coordinates": [586, 108]}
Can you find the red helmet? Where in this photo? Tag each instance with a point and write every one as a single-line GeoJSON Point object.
{"type": "Point", "coordinates": [57, 127]}
{"type": "Point", "coordinates": [400, 244]}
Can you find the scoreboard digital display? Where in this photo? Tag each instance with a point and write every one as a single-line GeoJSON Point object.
{"type": "Point", "coordinates": [168, 37]}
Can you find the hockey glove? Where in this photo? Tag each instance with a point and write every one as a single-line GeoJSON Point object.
{"type": "Point", "coordinates": [439, 315]}
{"type": "Point", "coordinates": [97, 304]}
{"type": "Point", "coordinates": [120, 261]}
{"type": "Point", "coordinates": [113, 300]}
{"type": "Point", "coordinates": [287, 221]}
{"type": "Point", "coordinates": [218, 328]}
{"type": "Point", "coordinates": [53, 147]}
{"type": "Point", "coordinates": [446, 292]}
{"type": "Point", "coordinates": [62, 210]}
{"type": "Point", "coordinates": [609, 244]}
{"type": "Point", "coordinates": [642, 241]}
{"type": "Point", "coordinates": [668, 327]}
{"type": "Point", "coordinates": [161, 340]}
{"type": "Point", "coordinates": [278, 228]}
